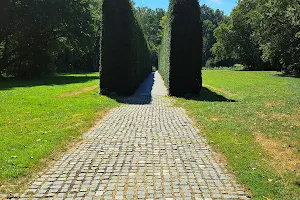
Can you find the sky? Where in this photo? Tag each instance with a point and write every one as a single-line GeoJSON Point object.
{"type": "Point", "coordinates": [225, 5]}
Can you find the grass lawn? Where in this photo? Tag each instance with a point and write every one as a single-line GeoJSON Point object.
{"type": "Point", "coordinates": [40, 119]}
{"type": "Point", "coordinates": [253, 119]}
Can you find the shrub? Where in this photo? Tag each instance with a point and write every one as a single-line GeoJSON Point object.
{"type": "Point", "coordinates": [124, 52]}
{"type": "Point", "coordinates": [181, 50]}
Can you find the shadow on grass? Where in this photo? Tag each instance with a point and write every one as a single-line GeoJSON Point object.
{"type": "Point", "coordinates": [286, 76]}
{"type": "Point", "coordinates": [10, 83]}
{"type": "Point", "coordinates": [210, 96]}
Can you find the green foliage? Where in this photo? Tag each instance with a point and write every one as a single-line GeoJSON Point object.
{"type": "Point", "coordinates": [150, 22]}
{"type": "Point", "coordinates": [277, 27]}
{"type": "Point", "coordinates": [262, 35]}
{"type": "Point", "coordinates": [34, 33]}
{"type": "Point", "coordinates": [211, 19]}
{"type": "Point", "coordinates": [124, 51]}
{"type": "Point", "coordinates": [235, 38]}
{"type": "Point", "coordinates": [181, 50]}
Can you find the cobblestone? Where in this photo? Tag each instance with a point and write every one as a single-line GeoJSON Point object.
{"type": "Point", "coordinates": [147, 149]}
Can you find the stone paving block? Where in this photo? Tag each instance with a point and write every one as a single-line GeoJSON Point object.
{"type": "Point", "coordinates": [146, 149]}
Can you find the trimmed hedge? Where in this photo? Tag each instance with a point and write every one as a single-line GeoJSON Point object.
{"type": "Point", "coordinates": [180, 56]}
{"type": "Point", "coordinates": [124, 52]}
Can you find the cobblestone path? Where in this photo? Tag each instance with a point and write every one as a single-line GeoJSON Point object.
{"type": "Point", "coordinates": [146, 149]}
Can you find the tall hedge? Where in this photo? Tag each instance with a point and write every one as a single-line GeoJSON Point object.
{"type": "Point", "coordinates": [124, 52]}
{"type": "Point", "coordinates": [181, 49]}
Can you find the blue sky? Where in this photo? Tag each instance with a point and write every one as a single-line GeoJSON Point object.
{"type": "Point", "coordinates": [225, 5]}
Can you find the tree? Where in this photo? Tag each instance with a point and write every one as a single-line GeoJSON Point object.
{"type": "Point", "coordinates": [210, 21]}
{"type": "Point", "coordinates": [277, 28]}
{"type": "Point", "coordinates": [235, 39]}
{"type": "Point", "coordinates": [262, 35]}
{"type": "Point", "coordinates": [34, 33]}
{"type": "Point", "coordinates": [150, 23]}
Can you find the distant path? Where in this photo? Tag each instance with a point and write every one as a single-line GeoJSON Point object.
{"type": "Point", "coordinates": [153, 85]}
{"type": "Point", "coordinates": [147, 149]}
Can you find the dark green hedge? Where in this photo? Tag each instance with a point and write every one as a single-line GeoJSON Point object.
{"type": "Point", "coordinates": [180, 57]}
{"type": "Point", "coordinates": [124, 52]}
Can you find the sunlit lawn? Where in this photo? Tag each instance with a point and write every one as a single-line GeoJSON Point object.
{"type": "Point", "coordinates": [253, 118]}
{"type": "Point", "coordinates": [40, 118]}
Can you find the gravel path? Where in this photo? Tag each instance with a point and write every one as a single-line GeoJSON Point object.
{"type": "Point", "coordinates": [146, 149]}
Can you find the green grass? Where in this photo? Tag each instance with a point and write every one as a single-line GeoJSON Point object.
{"type": "Point", "coordinates": [253, 119]}
{"type": "Point", "coordinates": [37, 123]}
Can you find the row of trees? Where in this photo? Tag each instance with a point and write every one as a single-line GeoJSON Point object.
{"type": "Point", "coordinates": [40, 37]}
{"type": "Point", "coordinates": [124, 50]}
{"type": "Point", "coordinates": [211, 19]}
{"type": "Point", "coordinates": [151, 22]}
{"type": "Point", "coordinates": [181, 49]}
{"type": "Point", "coordinates": [261, 35]}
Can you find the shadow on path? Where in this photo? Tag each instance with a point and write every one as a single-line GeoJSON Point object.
{"type": "Point", "coordinates": [210, 96]}
{"type": "Point", "coordinates": [10, 83]}
{"type": "Point", "coordinates": [143, 94]}
{"type": "Point", "coordinates": [146, 87]}
{"type": "Point", "coordinates": [133, 100]}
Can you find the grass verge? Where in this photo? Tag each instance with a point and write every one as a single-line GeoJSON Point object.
{"type": "Point", "coordinates": [253, 118]}
{"type": "Point", "coordinates": [42, 118]}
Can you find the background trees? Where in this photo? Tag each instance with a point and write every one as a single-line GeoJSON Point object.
{"type": "Point", "coordinates": [261, 35]}
{"type": "Point", "coordinates": [235, 39]}
{"type": "Point", "coordinates": [211, 19]}
{"type": "Point", "coordinates": [277, 29]}
{"type": "Point", "coordinates": [150, 22]}
{"type": "Point", "coordinates": [39, 37]}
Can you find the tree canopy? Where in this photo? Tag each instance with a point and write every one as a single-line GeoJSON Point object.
{"type": "Point", "coordinates": [40, 37]}
{"type": "Point", "coordinates": [150, 21]}
{"type": "Point", "coordinates": [261, 35]}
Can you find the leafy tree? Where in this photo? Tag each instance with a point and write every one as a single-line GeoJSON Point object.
{"type": "Point", "coordinates": [34, 33]}
{"type": "Point", "coordinates": [262, 35]}
{"type": "Point", "coordinates": [277, 28]}
{"type": "Point", "coordinates": [150, 23]}
{"type": "Point", "coordinates": [211, 19]}
{"type": "Point", "coordinates": [223, 49]}
{"type": "Point", "coordinates": [235, 38]}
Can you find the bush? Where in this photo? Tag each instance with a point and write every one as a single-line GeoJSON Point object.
{"type": "Point", "coordinates": [124, 52]}
{"type": "Point", "coordinates": [181, 50]}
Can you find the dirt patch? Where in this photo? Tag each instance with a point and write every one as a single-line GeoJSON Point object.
{"type": "Point", "coordinates": [283, 156]}
{"type": "Point", "coordinates": [274, 103]}
{"type": "Point", "coordinates": [293, 119]}
{"type": "Point", "coordinates": [220, 90]}
{"type": "Point", "coordinates": [215, 119]}
{"type": "Point", "coordinates": [77, 92]}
